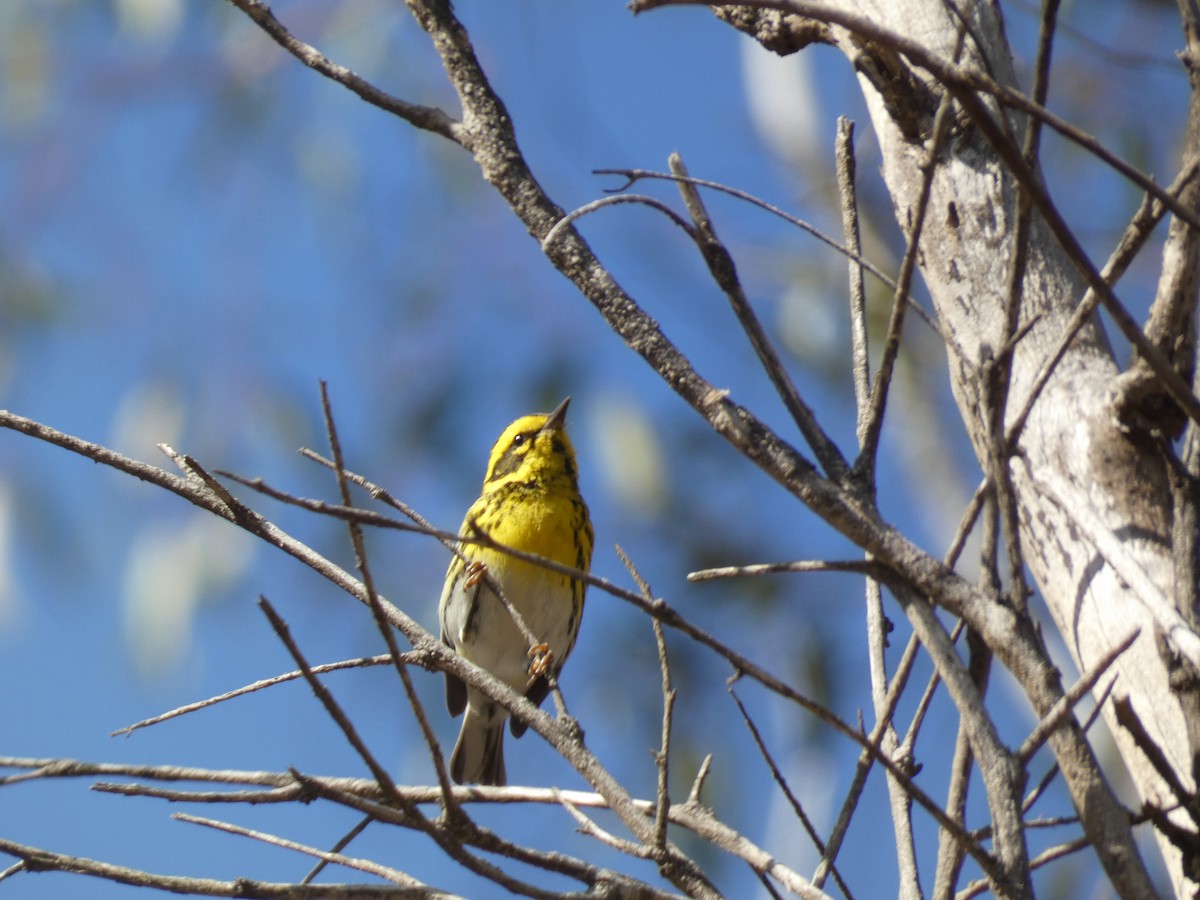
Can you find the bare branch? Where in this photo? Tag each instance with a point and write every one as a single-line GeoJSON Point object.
{"type": "Point", "coordinates": [423, 117]}
{"type": "Point", "coordinates": [359, 663]}
{"type": "Point", "coordinates": [377, 611]}
{"type": "Point", "coordinates": [856, 566]}
{"type": "Point", "coordinates": [634, 175]}
{"type": "Point", "coordinates": [1066, 705]}
{"type": "Point", "coordinates": [878, 628]}
{"type": "Point", "coordinates": [698, 782]}
{"type": "Point", "coordinates": [724, 273]}
{"type": "Point", "coordinates": [36, 860]}
{"type": "Point", "coordinates": [995, 763]}
{"type": "Point", "coordinates": [335, 711]}
{"type": "Point", "coordinates": [1171, 326]}
{"type": "Point", "coordinates": [793, 801]}
{"type": "Point", "coordinates": [588, 826]}
{"type": "Point", "coordinates": [1131, 242]}
{"type": "Point", "coordinates": [363, 865]}
{"type": "Point", "coordinates": [847, 192]}
{"type": "Point", "coordinates": [961, 77]}
{"type": "Point", "coordinates": [852, 255]}
{"type": "Point", "coordinates": [588, 208]}
{"type": "Point", "coordinates": [872, 418]}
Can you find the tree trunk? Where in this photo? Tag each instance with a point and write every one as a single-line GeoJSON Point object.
{"type": "Point", "coordinates": [1093, 494]}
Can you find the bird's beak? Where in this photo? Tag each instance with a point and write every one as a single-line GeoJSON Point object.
{"type": "Point", "coordinates": [554, 422]}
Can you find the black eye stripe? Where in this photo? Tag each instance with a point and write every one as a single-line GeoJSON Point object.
{"type": "Point", "coordinates": [506, 464]}
{"type": "Point", "coordinates": [510, 460]}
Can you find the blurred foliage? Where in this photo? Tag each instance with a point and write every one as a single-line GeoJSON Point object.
{"type": "Point", "coordinates": [195, 230]}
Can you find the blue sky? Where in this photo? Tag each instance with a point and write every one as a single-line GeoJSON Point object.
{"type": "Point", "coordinates": [195, 230]}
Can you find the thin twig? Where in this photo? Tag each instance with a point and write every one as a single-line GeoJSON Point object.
{"type": "Point", "coordinates": [878, 628]}
{"type": "Point", "coordinates": [872, 419]}
{"type": "Point", "coordinates": [289, 794]}
{"type": "Point", "coordinates": [342, 843]}
{"type": "Point", "coordinates": [38, 860]}
{"type": "Point", "coordinates": [999, 778]}
{"type": "Point", "coordinates": [615, 200]}
{"type": "Point", "coordinates": [1137, 232]}
{"type": "Point", "coordinates": [698, 781]}
{"type": "Point", "coordinates": [381, 622]}
{"type": "Point", "coordinates": [1171, 323]}
{"type": "Point", "coordinates": [662, 758]}
{"type": "Point", "coordinates": [466, 832]}
{"type": "Point", "coordinates": [332, 707]}
{"type": "Point", "coordinates": [1037, 862]}
{"type": "Point", "coordinates": [848, 194]}
{"type": "Point", "coordinates": [856, 566]}
{"type": "Point", "coordinates": [589, 827]}
{"type": "Point", "coordinates": [866, 758]}
{"type": "Point", "coordinates": [950, 856]}
{"type": "Point", "coordinates": [634, 175]}
{"type": "Point", "coordinates": [381, 494]}
{"type": "Point", "coordinates": [363, 865]}
{"type": "Point", "coordinates": [966, 523]}
{"type": "Point", "coordinates": [789, 795]}
{"type": "Point", "coordinates": [926, 700]}
{"type": "Point", "coordinates": [995, 377]}
{"type": "Point", "coordinates": [724, 272]}
{"type": "Point", "coordinates": [426, 118]}
{"type": "Point", "coordinates": [361, 662]}
{"type": "Point", "coordinates": [1052, 771]}
{"type": "Point", "coordinates": [959, 77]}
{"type": "Point", "coordinates": [1065, 706]}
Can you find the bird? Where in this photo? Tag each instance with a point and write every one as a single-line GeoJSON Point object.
{"type": "Point", "coordinates": [530, 502]}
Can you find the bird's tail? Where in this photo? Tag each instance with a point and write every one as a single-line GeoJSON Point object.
{"type": "Point", "coordinates": [478, 755]}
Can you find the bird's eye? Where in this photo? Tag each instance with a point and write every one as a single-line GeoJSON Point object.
{"type": "Point", "coordinates": [518, 440]}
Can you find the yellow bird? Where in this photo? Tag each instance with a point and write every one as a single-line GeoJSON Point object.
{"type": "Point", "coordinates": [530, 502]}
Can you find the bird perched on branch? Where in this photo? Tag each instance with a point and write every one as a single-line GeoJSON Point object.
{"type": "Point", "coordinates": [530, 502]}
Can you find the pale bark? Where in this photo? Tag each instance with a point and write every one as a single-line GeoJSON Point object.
{"type": "Point", "coordinates": [1093, 494]}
